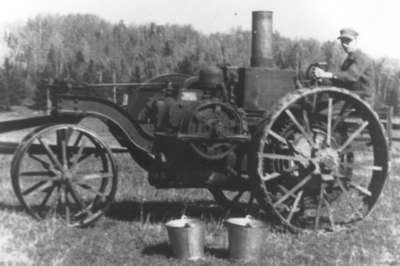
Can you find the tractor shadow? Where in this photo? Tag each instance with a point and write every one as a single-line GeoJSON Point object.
{"type": "Point", "coordinates": [10, 207]}
{"type": "Point", "coordinates": [163, 211]}
{"type": "Point", "coordinates": [164, 249]}
{"type": "Point", "coordinates": [161, 249]}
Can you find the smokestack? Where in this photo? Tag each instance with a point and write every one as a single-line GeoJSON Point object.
{"type": "Point", "coordinates": [261, 39]}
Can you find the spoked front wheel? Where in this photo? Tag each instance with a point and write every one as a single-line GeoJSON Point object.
{"type": "Point", "coordinates": [64, 171]}
{"type": "Point", "coordinates": [321, 159]}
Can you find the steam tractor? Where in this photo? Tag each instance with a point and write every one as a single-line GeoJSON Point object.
{"type": "Point", "coordinates": [238, 131]}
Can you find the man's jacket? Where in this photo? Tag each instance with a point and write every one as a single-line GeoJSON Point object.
{"type": "Point", "coordinates": [356, 74]}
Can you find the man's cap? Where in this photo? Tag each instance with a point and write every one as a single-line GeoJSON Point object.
{"type": "Point", "coordinates": [348, 33]}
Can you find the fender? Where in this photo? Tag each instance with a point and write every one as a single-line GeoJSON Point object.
{"type": "Point", "coordinates": [35, 121]}
{"type": "Point", "coordinates": [121, 125]}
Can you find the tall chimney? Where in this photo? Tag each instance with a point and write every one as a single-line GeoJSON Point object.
{"type": "Point", "coordinates": [261, 39]}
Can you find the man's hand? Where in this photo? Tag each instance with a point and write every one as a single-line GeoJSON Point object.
{"type": "Point", "coordinates": [320, 73]}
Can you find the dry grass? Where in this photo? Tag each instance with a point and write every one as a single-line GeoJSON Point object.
{"type": "Point", "coordinates": [132, 233]}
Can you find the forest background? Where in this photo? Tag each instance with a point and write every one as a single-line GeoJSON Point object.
{"type": "Point", "coordinates": [87, 48]}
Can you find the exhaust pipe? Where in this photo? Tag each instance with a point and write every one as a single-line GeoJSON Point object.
{"type": "Point", "coordinates": [261, 39]}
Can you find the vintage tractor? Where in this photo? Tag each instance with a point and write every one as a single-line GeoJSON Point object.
{"type": "Point", "coordinates": [316, 157]}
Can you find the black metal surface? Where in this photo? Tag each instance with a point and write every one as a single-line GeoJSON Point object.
{"type": "Point", "coordinates": [264, 86]}
{"type": "Point", "coordinates": [139, 97]}
{"type": "Point", "coordinates": [10, 147]}
{"type": "Point", "coordinates": [18, 124]}
{"type": "Point", "coordinates": [122, 126]}
{"type": "Point", "coordinates": [213, 129]}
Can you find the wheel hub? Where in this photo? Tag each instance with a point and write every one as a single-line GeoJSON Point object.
{"type": "Point", "coordinates": [67, 175]}
{"type": "Point", "coordinates": [328, 160]}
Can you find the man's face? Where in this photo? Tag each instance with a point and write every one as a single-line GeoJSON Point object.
{"type": "Point", "coordinates": [348, 44]}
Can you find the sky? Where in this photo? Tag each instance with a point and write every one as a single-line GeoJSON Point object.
{"type": "Point", "coordinates": [375, 20]}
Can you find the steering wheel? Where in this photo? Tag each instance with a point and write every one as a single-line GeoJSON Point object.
{"type": "Point", "coordinates": [310, 72]}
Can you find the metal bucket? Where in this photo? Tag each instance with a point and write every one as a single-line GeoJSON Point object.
{"type": "Point", "coordinates": [187, 238]}
{"type": "Point", "coordinates": [246, 236]}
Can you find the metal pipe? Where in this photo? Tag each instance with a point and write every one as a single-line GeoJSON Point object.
{"type": "Point", "coordinates": [261, 39]}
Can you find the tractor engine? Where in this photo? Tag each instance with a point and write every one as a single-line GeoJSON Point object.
{"type": "Point", "coordinates": [195, 127]}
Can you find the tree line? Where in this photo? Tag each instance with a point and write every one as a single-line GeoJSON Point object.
{"type": "Point", "coordinates": [86, 48]}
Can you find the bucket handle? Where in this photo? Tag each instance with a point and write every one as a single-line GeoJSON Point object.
{"type": "Point", "coordinates": [248, 218]}
{"type": "Point", "coordinates": [186, 222]}
{"type": "Point", "coordinates": [246, 224]}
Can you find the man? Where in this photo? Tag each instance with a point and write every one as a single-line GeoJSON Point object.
{"type": "Point", "coordinates": [356, 72]}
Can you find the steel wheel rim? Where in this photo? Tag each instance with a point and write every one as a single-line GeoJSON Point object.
{"type": "Point", "coordinates": [66, 161]}
{"type": "Point", "coordinates": [292, 198]}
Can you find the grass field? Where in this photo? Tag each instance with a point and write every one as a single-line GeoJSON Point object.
{"type": "Point", "coordinates": [133, 232]}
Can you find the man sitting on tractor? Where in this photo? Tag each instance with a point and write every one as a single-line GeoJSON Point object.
{"type": "Point", "coordinates": [356, 73]}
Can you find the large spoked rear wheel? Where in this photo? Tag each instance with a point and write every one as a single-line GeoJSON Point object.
{"type": "Point", "coordinates": [320, 160]}
{"type": "Point", "coordinates": [64, 171]}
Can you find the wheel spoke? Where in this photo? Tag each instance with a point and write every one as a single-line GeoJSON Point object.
{"type": "Point", "coordinates": [39, 173]}
{"type": "Point", "coordinates": [47, 196]}
{"type": "Point", "coordinates": [374, 168]}
{"type": "Point", "coordinates": [353, 136]}
{"type": "Point", "coordinates": [50, 153]}
{"type": "Point", "coordinates": [295, 206]}
{"type": "Point", "coordinates": [62, 146]}
{"type": "Point", "coordinates": [77, 140]}
{"type": "Point", "coordinates": [314, 103]}
{"type": "Point", "coordinates": [330, 214]}
{"type": "Point", "coordinates": [283, 206]}
{"type": "Point", "coordinates": [292, 191]}
{"type": "Point", "coordinates": [346, 193]}
{"type": "Point", "coordinates": [77, 157]}
{"type": "Point", "coordinates": [90, 189]}
{"type": "Point", "coordinates": [285, 190]}
{"type": "Point", "coordinates": [307, 122]}
{"type": "Point", "coordinates": [342, 115]}
{"type": "Point", "coordinates": [365, 167]}
{"type": "Point", "coordinates": [54, 207]}
{"type": "Point", "coordinates": [319, 208]}
{"type": "Point", "coordinates": [68, 134]}
{"type": "Point", "coordinates": [360, 189]}
{"type": "Point", "coordinates": [232, 171]}
{"type": "Point", "coordinates": [92, 176]}
{"type": "Point", "coordinates": [76, 197]}
{"type": "Point", "coordinates": [87, 152]}
{"type": "Point", "coordinates": [283, 157]}
{"type": "Point", "coordinates": [34, 187]}
{"type": "Point", "coordinates": [45, 164]}
{"type": "Point", "coordinates": [66, 204]}
{"type": "Point", "coordinates": [329, 125]}
{"type": "Point", "coordinates": [300, 127]}
{"type": "Point", "coordinates": [277, 137]}
{"type": "Point", "coordinates": [270, 176]}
